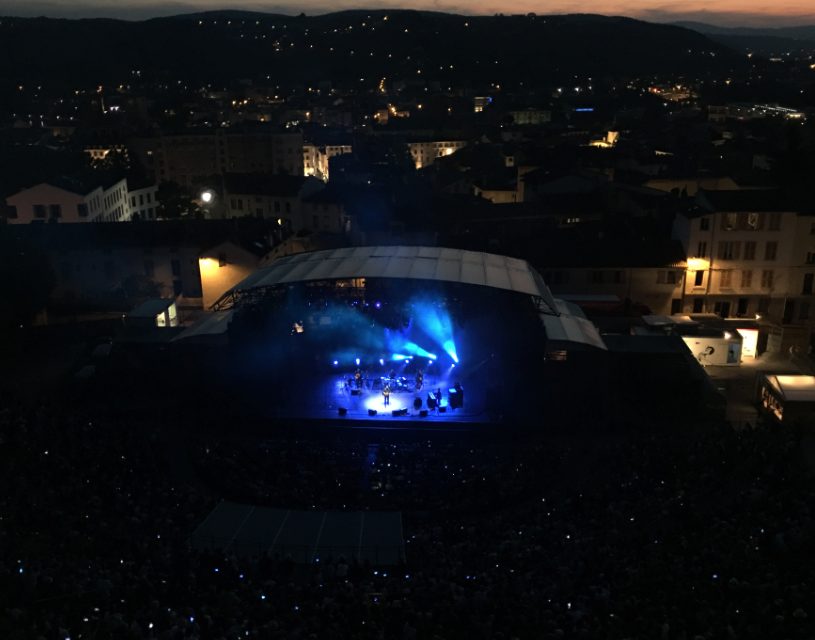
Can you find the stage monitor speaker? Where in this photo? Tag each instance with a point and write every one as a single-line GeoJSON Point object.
{"type": "Point", "coordinates": [443, 409]}
{"type": "Point", "coordinates": [356, 392]}
{"type": "Point", "coordinates": [399, 412]}
{"type": "Point", "coordinates": [372, 412]}
{"type": "Point", "coordinates": [423, 413]}
{"type": "Point", "coordinates": [342, 411]}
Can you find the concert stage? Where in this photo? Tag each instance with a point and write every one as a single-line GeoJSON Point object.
{"type": "Point", "coordinates": [321, 336]}
{"type": "Point", "coordinates": [337, 397]}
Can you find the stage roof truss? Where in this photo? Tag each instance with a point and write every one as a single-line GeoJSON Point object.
{"type": "Point", "coordinates": [399, 262]}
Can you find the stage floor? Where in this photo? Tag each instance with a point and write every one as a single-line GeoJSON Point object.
{"type": "Point", "coordinates": [332, 393]}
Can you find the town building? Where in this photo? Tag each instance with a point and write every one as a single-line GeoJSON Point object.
{"type": "Point", "coordinates": [187, 159]}
{"type": "Point", "coordinates": [750, 254]}
{"type": "Point", "coordinates": [425, 153]}
{"type": "Point", "coordinates": [114, 266]}
{"type": "Point", "coordinates": [67, 200]}
{"type": "Point", "coordinates": [316, 158]}
{"type": "Point", "coordinates": [143, 202]}
{"type": "Point", "coordinates": [277, 197]}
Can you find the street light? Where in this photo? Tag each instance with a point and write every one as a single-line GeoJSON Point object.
{"type": "Point", "coordinates": [207, 196]}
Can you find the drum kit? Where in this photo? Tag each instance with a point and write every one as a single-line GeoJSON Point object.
{"type": "Point", "coordinates": [397, 384]}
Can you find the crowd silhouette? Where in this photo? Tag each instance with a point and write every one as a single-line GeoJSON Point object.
{"type": "Point", "coordinates": [688, 536]}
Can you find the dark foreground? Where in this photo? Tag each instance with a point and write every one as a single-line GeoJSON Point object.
{"type": "Point", "coordinates": [695, 535]}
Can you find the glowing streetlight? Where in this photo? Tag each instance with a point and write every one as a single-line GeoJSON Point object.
{"type": "Point", "coordinates": [207, 196]}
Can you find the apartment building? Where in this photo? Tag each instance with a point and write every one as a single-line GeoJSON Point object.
{"type": "Point", "coordinates": [285, 199]}
{"type": "Point", "coordinates": [316, 158]}
{"type": "Point", "coordinates": [66, 200]}
{"type": "Point", "coordinates": [143, 202]}
{"type": "Point", "coordinates": [187, 159]}
{"type": "Point", "coordinates": [425, 153]}
{"type": "Point", "coordinates": [750, 253]}
{"type": "Point", "coordinates": [641, 276]}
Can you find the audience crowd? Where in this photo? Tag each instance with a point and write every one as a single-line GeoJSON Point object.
{"type": "Point", "coordinates": [688, 536]}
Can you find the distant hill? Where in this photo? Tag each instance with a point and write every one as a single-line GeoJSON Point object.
{"type": "Point", "coordinates": [803, 32]}
{"type": "Point", "coordinates": [765, 41]}
{"type": "Point", "coordinates": [346, 46]}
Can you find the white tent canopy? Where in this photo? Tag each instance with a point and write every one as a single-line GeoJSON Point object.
{"type": "Point", "coordinates": [563, 321]}
{"type": "Point", "coordinates": [420, 263]}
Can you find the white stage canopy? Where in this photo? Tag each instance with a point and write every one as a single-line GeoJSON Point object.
{"type": "Point", "coordinates": [418, 263]}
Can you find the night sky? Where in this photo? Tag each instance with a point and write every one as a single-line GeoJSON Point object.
{"type": "Point", "coordinates": [724, 12]}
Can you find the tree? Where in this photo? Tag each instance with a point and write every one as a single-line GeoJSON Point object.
{"type": "Point", "coordinates": [174, 201]}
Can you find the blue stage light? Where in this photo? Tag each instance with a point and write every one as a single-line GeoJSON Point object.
{"type": "Point", "coordinates": [415, 350]}
{"type": "Point", "coordinates": [382, 361]}
{"type": "Point", "coordinates": [399, 357]}
{"type": "Point", "coordinates": [336, 363]}
{"type": "Point", "coordinates": [357, 361]}
{"type": "Point", "coordinates": [450, 349]}
{"type": "Point", "coordinates": [434, 320]}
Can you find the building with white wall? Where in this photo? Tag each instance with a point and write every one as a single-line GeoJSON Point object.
{"type": "Point", "coordinates": [425, 153]}
{"type": "Point", "coordinates": [65, 201]}
{"type": "Point", "coordinates": [316, 158]}
{"type": "Point", "coordinates": [749, 253]}
{"type": "Point", "coordinates": [143, 203]}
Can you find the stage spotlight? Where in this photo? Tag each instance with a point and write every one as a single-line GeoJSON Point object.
{"type": "Point", "coordinates": [429, 362]}
{"type": "Point", "coordinates": [382, 362]}
{"type": "Point", "coordinates": [336, 363]}
{"type": "Point", "coordinates": [450, 349]}
{"type": "Point", "coordinates": [378, 305]}
{"type": "Point", "coordinates": [357, 361]}
{"type": "Point", "coordinates": [415, 350]}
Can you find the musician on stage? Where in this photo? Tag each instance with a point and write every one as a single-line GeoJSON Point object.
{"type": "Point", "coordinates": [358, 379]}
{"type": "Point", "coordinates": [419, 380]}
{"type": "Point", "coordinates": [386, 394]}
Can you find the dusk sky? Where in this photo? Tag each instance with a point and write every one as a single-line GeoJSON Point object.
{"type": "Point", "coordinates": [723, 12]}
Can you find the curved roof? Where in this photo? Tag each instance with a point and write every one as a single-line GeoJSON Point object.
{"type": "Point", "coordinates": [421, 263]}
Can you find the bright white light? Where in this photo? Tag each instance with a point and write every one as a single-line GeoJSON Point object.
{"type": "Point", "coordinates": [207, 196]}
{"type": "Point", "coordinates": [357, 361]}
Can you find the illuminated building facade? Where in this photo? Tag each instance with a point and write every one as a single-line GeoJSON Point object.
{"type": "Point", "coordinates": [749, 254]}
{"type": "Point", "coordinates": [316, 158]}
{"type": "Point", "coordinates": [70, 201]}
{"type": "Point", "coordinates": [425, 153]}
